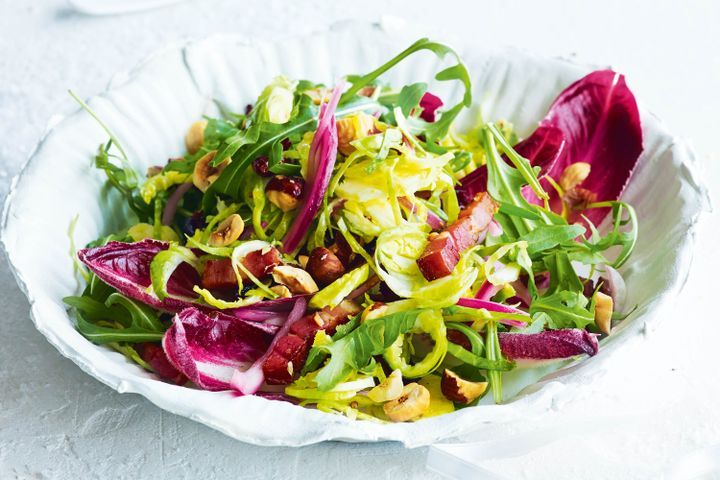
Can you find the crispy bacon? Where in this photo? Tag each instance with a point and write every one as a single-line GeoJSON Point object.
{"type": "Point", "coordinates": [444, 250]}
{"type": "Point", "coordinates": [219, 274]}
{"type": "Point", "coordinates": [286, 360]}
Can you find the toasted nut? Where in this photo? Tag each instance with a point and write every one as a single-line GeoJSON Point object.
{"type": "Point", "coordinates": [154, 170]}
{"type": "Point", "coordinates": [351, 128]}
{"type": "Point", "coordinates": [284, 192]}
{"type": "Point", "coordinates": [342, 250]}
{"type": "Point", "coordinates": [579, 198]}
{"type": "Point", "coordinates": [205, 174]}
{"type": "Point", "coordinates": [296, 279]}
{"type": "Point", "coordinates": [412, 403]}
{"type": "Point", "coordinates": [303, 259]}
{"type": "Point", "coordinates": [282, 291]}
{"type": "Point", "coordinates": [461, 391]}
{"type": "Point", "coordinates": [574, 175]}
{"type": "Point", "coordinates": [603, 312]}
{"type": "Point", "coordinates": [228, 231]}
{"type": "Point", "coordinates": [195, 136]}
{"type": "Point", "coordinates": [324, 266]}
{"type": "Point", "coordinates": [318, 94]}
{"type": "Point", "coordinates": [390, 389]}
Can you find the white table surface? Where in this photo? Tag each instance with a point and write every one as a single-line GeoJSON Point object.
{"type": "Point", "coordinates": [658, 405]}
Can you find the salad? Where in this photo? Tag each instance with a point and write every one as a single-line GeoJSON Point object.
{"type": "Point", "coordinates": [347, 248]}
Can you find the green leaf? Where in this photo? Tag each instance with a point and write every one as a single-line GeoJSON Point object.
{"type": "Point", "coordinates": [438, 129]}
{"type": "Point", "coordinates": [102, 335]}
{"type": "Point", "coordinates": [479, 362]}
{"type": "Point", "coordinates": [410, 97]}
{"type": "Point", "coordinates": [545, 237]}
{"type": "Point", "coordinates": [118, 319]}
{"type": "Point", "coordinates": [230, 182]}
{"type": "Point", "coordinates": [355, 350]}
{"type": "Point", "coordinates": [564, 300]}
{"type": "Point", "coordinates": [141, 315]}
{"type": "Point", "coordinates": [566, 309]}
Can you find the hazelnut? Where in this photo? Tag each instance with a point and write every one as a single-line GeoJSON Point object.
{"type": "Point", "coordinates": [413, 402]}
{"type": "Point", "coordinates": [282, 291]}
{"type": "Point", "coordinates": [574, 175]}
{"type": "Point", "coordinates": [261, 166]}
{"type": "Point", "coordinates": [284, 192]}
{"type": "Point", "coordinates": [352, 128]}
{"type": "Point", "coordinates": [342, 250]}
{"type": "Point", "coordinates": [153, 171]}
{"type": "Point", "coordinates": [319, 94]}
{"type": "Point", "coordinates": [228, 231]}
{"type": "Point", "coordinates": [324, 266]}
{"type": "Point", "coordinates": [390, 389]}
{"type": "Point", "coordinates": [579, 198]}
{"type": "Point", "coordinates": [603, 312]}
{"type": "Point", "coordinates": [195, 136]}
{"type": "Point", "coordinates": [461, 391]}
{"type": "Point", "coordinates": [296, 279]}
{"type": "Point", "coordinates": [204, 173]}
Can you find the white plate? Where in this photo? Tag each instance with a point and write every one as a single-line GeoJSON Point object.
{"type": "Point", "coordinates": [150, 110]}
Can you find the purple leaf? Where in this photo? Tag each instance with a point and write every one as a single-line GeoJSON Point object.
{"type": "Point", "coordinates": [209, 347]}
{"type": "Point", "coordinates": [272, 312]}
{"type": "Point", "coordinates": [595, 120]}
{"type": "Point", "coordinates": [126, 267]}
{"type": "Point", "coordinates": [429, 104]}
{"type": "Point", "coordinates": [537, 348]}
{"type": "Point", "coordinates": [321, 160]}
{"type": "Point", "coordinates": [249, 381]}
{"type": "Point", "coordinates": [600, 122]}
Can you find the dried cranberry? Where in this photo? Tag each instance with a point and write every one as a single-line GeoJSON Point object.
{"type": "Point", "coordinates": [194, 222]}
{"type": "Point", "coordinates": [260, 166]}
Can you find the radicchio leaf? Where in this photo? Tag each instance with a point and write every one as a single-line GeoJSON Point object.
{"type": "Point", "coordinates": [599, 119]}
{"type": "Point", "coordinates": [551, 345]}
{"type": "Point", "coordinates": [126, 267]}
{"type": "Point", "coordinates": [321, 160]}
{"type": "Point", "coordinates": [429, 104]}
{"type": "Point", "coordinates": [209, 347]}
{"type": "Point", "coordinates": [249, 381]}
{"type": "Point", "coordinates": [594, 120]}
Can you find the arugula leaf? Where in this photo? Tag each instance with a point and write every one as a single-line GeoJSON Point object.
{"type": "Point", "coordinates": [356, 349]}
{"type": "Point", "coordinates": [230, 181]}
{"type": "Point", "coordinates": [494, 355]}
{"type": "Point", "coordinates": [545, 237]}
{"type": "Point", "coordinates": [118, 319]}
{"type": "Point", "coordinates": [410, 96]}
{"type": "Point", "coordinates": [101, 335]}
{"type": "Point", "coordinates": [317, 355]}
{"type": "Point", "coordinates": [564, 300]}
{"type": "Point", "coordinates": [436, 130]}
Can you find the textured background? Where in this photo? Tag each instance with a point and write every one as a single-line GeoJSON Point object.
{"type": "Point", "coordinates": [660, 402]}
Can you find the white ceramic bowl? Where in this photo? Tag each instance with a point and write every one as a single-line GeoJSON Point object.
{"type": "Point", "coordinates": [150, 110]}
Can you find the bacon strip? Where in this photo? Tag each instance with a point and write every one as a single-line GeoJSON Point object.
{"type": "Point", "coordinates": [286, 360]}
{"type": "Point", "coordinates": [219, 274]}
{"type": "Point", "coordinates": [444, 250]}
